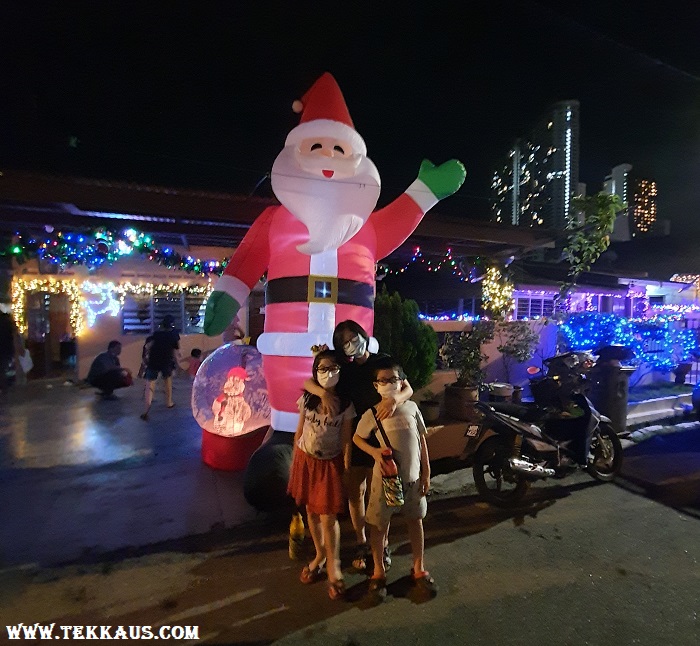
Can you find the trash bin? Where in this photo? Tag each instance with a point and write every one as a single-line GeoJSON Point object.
{"type": "Point", "coordinates": [610, 384]}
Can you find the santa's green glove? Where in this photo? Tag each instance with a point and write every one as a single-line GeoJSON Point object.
{"type": "Point", "coordinates": [221, 308]}
{"type": "Point", "coordinates": [442, 180]}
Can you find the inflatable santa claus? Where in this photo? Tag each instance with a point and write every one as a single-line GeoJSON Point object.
{"type": "Point", "coordinates": [319, 249]}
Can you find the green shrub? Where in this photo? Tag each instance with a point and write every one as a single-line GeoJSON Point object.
{"type": "Point", "coordinates": [405, 337]}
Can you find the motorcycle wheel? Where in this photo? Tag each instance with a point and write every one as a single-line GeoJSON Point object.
{"type": "Point", "coordinates": [605, 454]}
{"type": "Point", "coordinates": [495, 481]}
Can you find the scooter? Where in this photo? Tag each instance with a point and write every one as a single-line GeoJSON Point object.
{"type": "Point", "coordinates": [511, 445]}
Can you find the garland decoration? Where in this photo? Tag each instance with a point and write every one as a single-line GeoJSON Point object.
{"type": "Point", "coordinates": [103, 246]}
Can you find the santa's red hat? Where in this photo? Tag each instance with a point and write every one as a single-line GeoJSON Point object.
{"type": "Point", "coordinates": [325, 114]}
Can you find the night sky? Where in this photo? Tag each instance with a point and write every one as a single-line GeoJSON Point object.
{"type": "Point", "coordinates": [199, 94]}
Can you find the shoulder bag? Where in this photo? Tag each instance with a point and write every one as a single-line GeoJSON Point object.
{"type": "Point", "coordinates": [391, 484]}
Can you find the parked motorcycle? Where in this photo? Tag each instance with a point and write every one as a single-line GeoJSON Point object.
{"type": "Point", "coordinates": [512, 445]}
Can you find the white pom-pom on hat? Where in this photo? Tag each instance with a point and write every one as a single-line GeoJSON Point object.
{"type": "Point", "coordinates": [297, 107]}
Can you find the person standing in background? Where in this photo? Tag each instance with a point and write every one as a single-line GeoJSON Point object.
{"type": "Point", "coordinates": [162, 359]}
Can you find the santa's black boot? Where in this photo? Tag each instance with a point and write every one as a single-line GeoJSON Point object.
{"type": "Point", "coordinates": [267, 474]}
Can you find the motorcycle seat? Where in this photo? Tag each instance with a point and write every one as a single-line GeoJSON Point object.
{"type": "Point", "coordinates": [523, 412]}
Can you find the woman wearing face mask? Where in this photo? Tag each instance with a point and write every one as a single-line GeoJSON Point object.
{"type": "Point", "coordinates": [321, 455]}
{"type": "Point", "coordinates": [357, 384]}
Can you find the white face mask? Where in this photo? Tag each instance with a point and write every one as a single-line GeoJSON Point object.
{"type": "Point", "coordinates": [385, 390]}
{"type": "Point", "coordinates": [328, 379]}
{"type": "Point", "coordinates": [355, 348]}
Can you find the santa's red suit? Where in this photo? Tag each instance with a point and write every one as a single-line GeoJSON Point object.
{"type": "Point", "coordinates": [307, 295]}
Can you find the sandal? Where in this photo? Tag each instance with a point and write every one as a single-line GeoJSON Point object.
{"type": "Point", "coordinates": [310, 576]}
{"type": "Point", "coordinates": [424, 582]}
{"type": "Point", "coordinates": [387, 558]}
{"type": "Point", "coordinates": [363, 556]}
{"type": "Point", "coordinates": [377, 588]}
{"type": "Point", "coordinates": [336, 590]}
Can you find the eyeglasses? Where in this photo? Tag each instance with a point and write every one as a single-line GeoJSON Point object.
{"type": "Point", "coordinates": [384, 382]}
{"type": "Point", "coordinates": [325, 370]}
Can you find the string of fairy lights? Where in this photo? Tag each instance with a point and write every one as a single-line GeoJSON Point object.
{"type": "Point", "coordinates": [497, 293]}
{"type": "Point", "coordinates": [90, 299]}
{"type": "Point", "coordinates": [435, 262]}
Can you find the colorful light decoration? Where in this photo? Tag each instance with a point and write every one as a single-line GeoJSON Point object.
{"type": "Point", "coordinates": [686, 278]}
{"type": "Point", "coordinates": [103, 298]}
{"type": "Point", "coordinates": [497, 292]}
{"type": "Point", "coordinates": [654, 341]}
{"type": "Point", "coordinates": [103, 304]}
{"type": "Point", "coordinates": [103, 247]}
{"type": "Point", "coordinates": [676, 309]}
{"type": "Point", "coordinates": [21, 287]}
{"type": "Point", "coordinates": [434, 263]}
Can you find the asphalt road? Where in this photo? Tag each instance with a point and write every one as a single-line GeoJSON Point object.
{"type": "Point", "coordinates": [580, 563]}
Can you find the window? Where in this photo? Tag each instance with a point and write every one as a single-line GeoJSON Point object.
{"type": "Point", "coordinates": [656, 300]}
{"type": "Point", "coordinates": [142, 313]}
{"type": "Point", "coordinates": [530, 308]}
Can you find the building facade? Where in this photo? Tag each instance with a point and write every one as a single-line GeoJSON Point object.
{"type": "Point", "coordinates": [535, 185]}
{"type": "Point", "coordinates": [640, 194]}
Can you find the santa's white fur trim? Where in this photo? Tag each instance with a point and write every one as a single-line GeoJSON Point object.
{"type": "Point", "coordinates": [291, 344]}
{"type": "Point", "coordinates": [422, 195]}
{"type": "Point", "coordinates": [283, 421]}
{"type": "Point", "coordinates": [298, 344]}
{"type": "Point", "coordinates": [327, 128]}
{"type": "Point", "coordinates": [234, 287]}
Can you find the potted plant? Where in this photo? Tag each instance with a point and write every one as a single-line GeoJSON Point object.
{"type": "Point", "coordinates": [517, 342]}
{"type": "Point", "coordinates": [464, 354]}
{"type": "Point", "coordinates": [430, 406]}
{"type": "Point", "coordinates": [684, 352]}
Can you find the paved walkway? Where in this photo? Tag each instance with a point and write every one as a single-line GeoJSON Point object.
{"type": "Point", "coordinates": [80, 475]}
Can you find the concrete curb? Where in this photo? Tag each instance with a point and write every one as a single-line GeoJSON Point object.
{"type": "Point", "coordinates": [646, 433]}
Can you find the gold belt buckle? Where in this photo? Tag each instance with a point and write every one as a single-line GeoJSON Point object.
{"type": "Point", "coordinates": [322, 289]}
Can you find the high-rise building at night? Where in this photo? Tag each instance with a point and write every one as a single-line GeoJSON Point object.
{"type": "Point", "coordinates": [535, 185]}
{"type": "Point", "coordinates": [639, 193]}
{"type": "Point", "coordinates": [644, 213]}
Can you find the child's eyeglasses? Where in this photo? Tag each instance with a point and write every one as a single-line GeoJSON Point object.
{"type": "Point", "coordinates": [384, 382]}
{"type": "Point", "coordinates": [323, 371]}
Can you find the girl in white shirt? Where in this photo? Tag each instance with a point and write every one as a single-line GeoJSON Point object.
{"type": "Point", "coordinates": [321, 455]}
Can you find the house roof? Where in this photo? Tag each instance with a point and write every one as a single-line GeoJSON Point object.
{"type": "Point", "coordinates": [658, 258]}
{"type": "Point", "coordinates": [176, 216]}
{"type": "Point", "coordinates": [202, 218]}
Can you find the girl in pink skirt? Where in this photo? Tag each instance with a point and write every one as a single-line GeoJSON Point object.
{"type": "Point", "coordinates": [321, 454]}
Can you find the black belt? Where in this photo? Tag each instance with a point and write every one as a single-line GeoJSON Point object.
{"type": "Point", "coordinates": [319, 289]}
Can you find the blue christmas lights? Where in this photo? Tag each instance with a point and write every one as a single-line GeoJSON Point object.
{"type": "Point", "coordinates": [655, 342]}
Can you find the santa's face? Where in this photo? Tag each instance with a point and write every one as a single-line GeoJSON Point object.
{"type": "Point", "coordinates": [329, 187]}
{"type": "Point", "coordinates": [327, 157]}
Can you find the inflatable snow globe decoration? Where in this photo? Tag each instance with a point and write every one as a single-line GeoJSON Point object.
{"type": "Point", "coordinates": [230, 404]}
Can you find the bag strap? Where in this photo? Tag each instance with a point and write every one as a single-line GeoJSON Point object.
{"type": "Point", "coordinates": [381, 429]}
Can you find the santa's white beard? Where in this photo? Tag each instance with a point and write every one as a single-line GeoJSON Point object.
{"type": "Point", "coordinates": [333, 210]}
